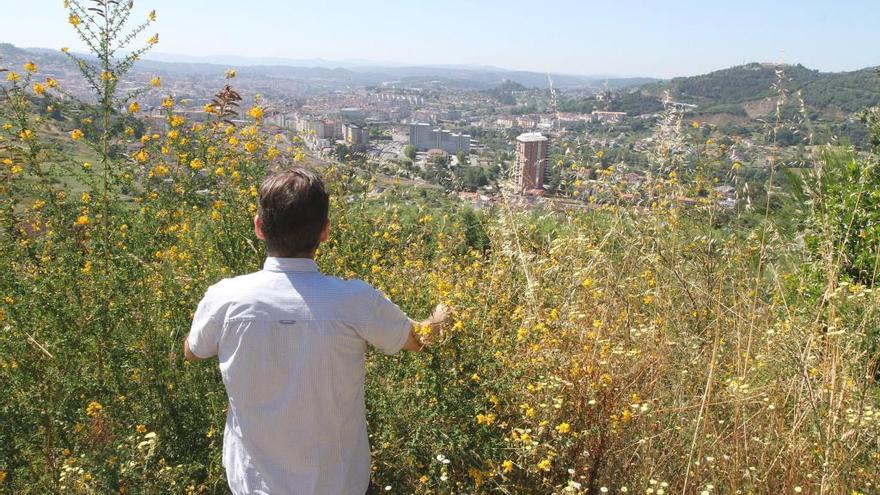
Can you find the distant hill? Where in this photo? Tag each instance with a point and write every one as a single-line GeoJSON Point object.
{"type": "Point", "coordinates": [349, 73]}
{"type": "Point", "coordinates": [737, 89]}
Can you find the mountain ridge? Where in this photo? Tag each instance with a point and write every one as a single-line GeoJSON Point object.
{"type": "Point", "coordinates": [466, 77]}
{"type": "Point", "coordinates": [848, 91]}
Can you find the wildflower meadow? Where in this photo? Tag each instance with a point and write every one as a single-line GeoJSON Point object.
{"type": "Point", "coordinates": [607, 347]}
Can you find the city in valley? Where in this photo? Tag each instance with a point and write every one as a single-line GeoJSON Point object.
{"type": "Point", "coordinates": [484, 133]}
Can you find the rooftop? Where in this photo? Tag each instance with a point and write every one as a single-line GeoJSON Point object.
{"type": "Point", "coordinates": [531, 137]}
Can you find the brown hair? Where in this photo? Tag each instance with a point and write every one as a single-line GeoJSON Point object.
{"type": "Point", "coordinates": [293, 210]}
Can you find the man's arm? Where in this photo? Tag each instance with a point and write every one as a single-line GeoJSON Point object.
{"type": "Point", "coordinates": [207, 325]}
{"type": "Point", "coordinates": [427, 330]}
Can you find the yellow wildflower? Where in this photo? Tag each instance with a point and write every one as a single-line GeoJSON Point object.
{"type": "Point", "coordinates": [563, 428]}
{"type": "Point", "coordinates": [52, 83]}
{"type": "Point", "coordinates": [30, 67]}
{"type": "Point", "coordinates": [76, 134]}
{"type": "Point", "coordinates": [156, 81]}
{"type": "Point", "coordinates": [507, 466]}
{"type": "Point", "coordinates": [196, 164]}
{"type": "Point", "coordinates": [160, 170]}
{"type": "Point", "coordinates": [133, 107]}
{"type": "Point", "coordinates": [152, 16]}
{"type": "Point", "coordinates": [39, 89]}
{"type": "Point", "coordinates": [81, 221]}
{"type": "Point", "coordinates": [153, 39]}
{"type": "Point", "coordinates": [74, 20]}
{"type": "Point", "coordinates": [141, 156]}
{"type": "Point", "coordinates": [12, 76]}
{"type": "Point", "coordinates": [486, 419]}
{"type": "Point", "coordinates": [544, 465]}
{"type": "Point", "coordinates": [256, 113]}
{"type": "Point", "coordinates": [94, 408]}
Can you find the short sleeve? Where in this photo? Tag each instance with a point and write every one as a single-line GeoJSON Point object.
{"type": "Point", "coordinates": [204, 335]}
{"type": "Point", "coordinates": [387, 327]}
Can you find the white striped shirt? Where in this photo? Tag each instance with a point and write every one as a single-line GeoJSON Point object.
{"type": "Point", "coordinates": [291, 346]}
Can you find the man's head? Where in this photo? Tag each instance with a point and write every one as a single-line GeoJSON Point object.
{"type": "Point", "coordinates": [292, 215]}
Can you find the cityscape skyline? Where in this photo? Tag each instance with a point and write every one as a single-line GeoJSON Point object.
{"type": "Point", "coordinates": [629, 38]}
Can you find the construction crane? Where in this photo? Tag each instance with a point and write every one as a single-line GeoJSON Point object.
{"type": "Point", "coordinates": [554, 103]}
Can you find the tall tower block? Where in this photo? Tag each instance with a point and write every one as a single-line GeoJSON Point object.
{"type": "Point", "coordinates": [531, 161]}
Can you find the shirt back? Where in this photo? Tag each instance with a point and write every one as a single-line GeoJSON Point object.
{"type": "Point", "coordinates": [291, 345]}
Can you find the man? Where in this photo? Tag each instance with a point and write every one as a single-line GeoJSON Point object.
{"type": "Point", "coordinates": [291, 346]}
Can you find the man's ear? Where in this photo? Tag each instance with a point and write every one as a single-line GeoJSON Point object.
{"type": "Point", "coordinates": [325, 232]}
{"type": "Point", "coordinates": [258, 228]}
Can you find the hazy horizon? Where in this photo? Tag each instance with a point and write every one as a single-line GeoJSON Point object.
{"type": "Point", "coordinates": [631, 38]}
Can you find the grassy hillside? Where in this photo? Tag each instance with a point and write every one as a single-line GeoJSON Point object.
{"type": "Point", "coordinates": [736, 84]}
{"type": "Point", "coordinates": [825, 93]}
{"type": "Point", "coordinates": [677, 346]}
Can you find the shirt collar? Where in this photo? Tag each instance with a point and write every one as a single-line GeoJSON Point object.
{"type": "Point", "coordinates": [290, 264]}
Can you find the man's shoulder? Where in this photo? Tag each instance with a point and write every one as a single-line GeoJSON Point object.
{"type": "Point", "coordinates": [352, 284]}
{"type": "Point", "coordinates": [234, 283]}
{"type": "Point", "coordinates": [259, 279]}
{"type": "Point", "coordinates": [353, 288]}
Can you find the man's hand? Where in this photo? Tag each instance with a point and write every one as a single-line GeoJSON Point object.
{"type": "Point", "coordinates": [188, 354]}
{"type": "Point", "coordinates": [428, 329]}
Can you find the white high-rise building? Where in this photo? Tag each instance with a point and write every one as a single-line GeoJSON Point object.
{"type": "Point", "coordinates": [424, 137]}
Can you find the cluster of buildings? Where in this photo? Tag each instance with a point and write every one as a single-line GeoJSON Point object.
{"type": "Point", "coordinates": [426, 137]}
{"type": "Point", "coordinates": [532, 151]}
{"type": "Point", "coordinates": [324, 132]}
{"type": "Point", "coordinates": [436, 116]}
{"type": "Point", "coordinates": [548, 121]}
{"type": "Point", "coordinates": [355, 135]}
{"type": "Point", "coordinates": [378, 105]}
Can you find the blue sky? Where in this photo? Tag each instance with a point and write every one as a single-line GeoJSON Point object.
{"type": "Point", "coordinates": [622, 37]}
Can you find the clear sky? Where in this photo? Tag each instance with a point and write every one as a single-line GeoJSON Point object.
{"type": "Point", "coordinates": [615, 37]}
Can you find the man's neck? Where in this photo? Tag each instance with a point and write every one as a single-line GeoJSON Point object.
{"type": "Point", "coordinates": [300, 256]}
